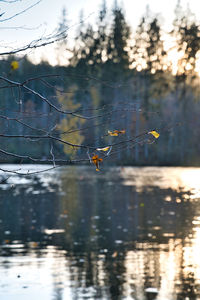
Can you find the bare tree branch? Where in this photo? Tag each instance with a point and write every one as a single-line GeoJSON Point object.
{"type": "Point", "coordinates": [41, 42]}
{"type": "Point", "coordinates": [21, 12]}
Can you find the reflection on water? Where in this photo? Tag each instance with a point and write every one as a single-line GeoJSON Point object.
{"type": "Point", "coordinates": [126, 233]}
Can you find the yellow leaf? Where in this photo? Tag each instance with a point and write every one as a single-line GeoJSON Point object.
{"type": "Point", "coordinates": [112, 133]}
{"type": "Point", "coordinates": [103, 149]}
{"type": "Point", "coordinates": [116, 132]}
{"type": "Point", "coordinates": [14, 65]}
{"type": "Point", "coordinates": [155, 134]}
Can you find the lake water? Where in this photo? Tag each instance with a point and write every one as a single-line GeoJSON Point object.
{"type": "Point", "coordinates": [122, 233]}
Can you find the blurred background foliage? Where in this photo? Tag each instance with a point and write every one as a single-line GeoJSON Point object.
{"type": "Point", "coordinates": [148, 78]}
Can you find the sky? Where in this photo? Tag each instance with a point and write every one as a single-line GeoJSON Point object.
{"type": "Point", "coordinates": [43, 18]}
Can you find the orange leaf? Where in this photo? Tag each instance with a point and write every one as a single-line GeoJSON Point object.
{"type": "Point", "coordinates": [116, 132]}
{"type": "Point", "coordinates": [115, 254]}
{"type": "Point", "coordinates": [96, 160]}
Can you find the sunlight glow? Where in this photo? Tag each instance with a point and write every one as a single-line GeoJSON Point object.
{"type": "Point", "coordinates": [176, 178]}
{"type": "Point", "coordinates": [168, 271]}
{"type": "Point", "coordinates": [191, 256]}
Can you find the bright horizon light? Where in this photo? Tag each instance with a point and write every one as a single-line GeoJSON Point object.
{"type": "Point", "coordinates": [44, 17]}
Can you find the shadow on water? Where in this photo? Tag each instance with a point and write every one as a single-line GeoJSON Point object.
{"type": "Point", "coordinates": [127, 233]}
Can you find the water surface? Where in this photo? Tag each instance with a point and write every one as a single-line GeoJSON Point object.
{"type": "Point", "coordinates": [122, 233]}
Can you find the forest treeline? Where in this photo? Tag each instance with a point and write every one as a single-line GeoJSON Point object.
{"type": "Point", "coordinates": [121, 80]}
